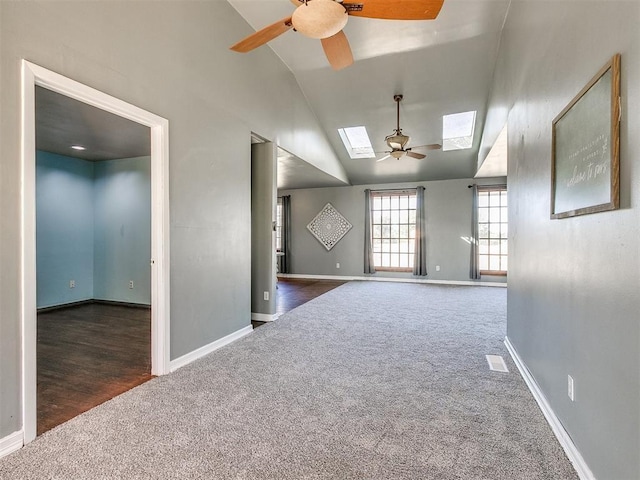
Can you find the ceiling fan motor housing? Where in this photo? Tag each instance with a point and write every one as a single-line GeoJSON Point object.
{"type": "Point", "coordinates": [319, 18]}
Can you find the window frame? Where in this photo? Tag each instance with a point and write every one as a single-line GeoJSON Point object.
{"type": "Point", "coordinates": [278, 226]}
{"type": "Point", "coordinates": [410, 245]}
{"type": "Point", "coordinates": [503, 220]}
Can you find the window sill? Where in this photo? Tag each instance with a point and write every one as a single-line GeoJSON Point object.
{"type": "Point", "coordinates": [496, 273]}
{"type": "Point", "coordinates": [393, 269]}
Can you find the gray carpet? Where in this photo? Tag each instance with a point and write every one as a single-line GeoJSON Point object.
{"type": "Point", "coordinates": [369, 381]}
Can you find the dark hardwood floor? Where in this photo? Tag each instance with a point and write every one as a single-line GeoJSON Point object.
{"type": "Point", "coordinates": [88, 354]}
{"type": "Point", "coordinates": [293, 292]}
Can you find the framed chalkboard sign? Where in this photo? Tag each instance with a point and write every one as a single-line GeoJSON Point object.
{"type": "Point", "coordinates": [585, 157]}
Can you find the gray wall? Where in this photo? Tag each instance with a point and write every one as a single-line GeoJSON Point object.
{"type": "Point", "coordinates": [170, 58]}
{"type": "Point", "coordinates": [448, 211]}
{"type": "Point", "coordinates": [263, 214]}
{"type": "Point", "coordinates": [574, 284]}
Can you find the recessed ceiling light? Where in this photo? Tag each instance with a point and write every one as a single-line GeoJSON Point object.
{"type": "Point", "coordinates": [357, 142]}
{"type": "Point", "coordinates": [78, 147]}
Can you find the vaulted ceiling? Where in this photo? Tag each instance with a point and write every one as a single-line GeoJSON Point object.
{"type": "Point", "coordinates": [441, 66]}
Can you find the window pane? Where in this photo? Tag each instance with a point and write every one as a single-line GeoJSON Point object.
{"type": "Point", "coordinates": [377, 259]}
{"type": "Point", "coordinates": [504, 262]}
{"type": "Point", "coordinates": [494, 262]}
{"type": "Point", "coordinates": [404, 216]}
{"type": "Point", "coordinates": [386, 217]}
{"type": "Point", "coordinates": [395, 261]}
{"type": "Point", "coordinates": [504, 216]}
{"type": "Point", "coordinates": [494, 247]}
{"type": "Point", "coordinates": [386, 260]}
{"type": "Point", "coordinates": [395, 216]}
{"type": "Point", "coordinates": [504, 230]}
{"type": "Point", "coordinates": [395, 245]}
{"type": "Point", "coordinates": [395, 231]}
{"type": "Point", "coordinates": [386, 231]}
{"type": "Point", "coordinates": [494, 230]}
{"type": "Point", "coordinates": [494, 215]}
{"type": "Point", "coordinates": [404, 203]}
{"type": "Point", "coordinates": [386, 201]}
{"type": "Point", "coordinates": [483, 230]}
{"type": "Point", "coordinates": [494, 199]}
{"type": "Point", "coordinates": [412, 217]}
{"type": "Point", "coordinates": [404, 246]}
{"type": "Point", "coordinates": [404, 261]}
{"type": "Point", "coordinates": [483, 215]}
{"type": "Point", "coordinates": [412, 246]}
{"type": "Point", "coordinates": [411, 256]}
{"type": "Point", "coordinates": [377, 203]}
{"type": "Point", "coordinates": [395, 203]}
{"type": "Point", "coordinates": [483, 199]}
{"type": "Point", "coordinates": [412, 231]}
{"type": "Point", "coordinates": [377, 217]}
{"type": "Point", "coordinates": [386, 246]}
{"type": "Point", "coordinates": [483, 247]}
{"type": "Point", "coordinates": [404, 231]}
{"type": "Point", "coordinates": [503, 198]}
{"type": "Point", "coordinates": [377, 245]}
{"type": "Point", "coordinates": [483, 262]}
{"type": "Point", "coordinates": [503, 247]}
{"type": "Point", "coordinates": [412, 202]}
{"type": "Point", "coordinates": [377, 231]}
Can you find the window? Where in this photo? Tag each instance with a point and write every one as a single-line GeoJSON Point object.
{"type": "Point", "coordinates": [279, 225]}
{"type": "Point", "coordinates": [492, 230]}
{"type": "Point", "coordinates": [393, 224]}
{"type": "Point", "coordinates": [356, 141]}
{"type": "Point", "coordinates": [457, 130]}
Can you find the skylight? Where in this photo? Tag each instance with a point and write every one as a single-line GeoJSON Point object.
{"type": "Point", "coordinates": [457, 130]}
{"type": "Point", "coordinates": [357, 142]}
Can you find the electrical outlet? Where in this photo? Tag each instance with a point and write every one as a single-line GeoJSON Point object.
{"type": "Point", "coordinates": [570, 388]}
{"type": "Point", "coordinates": [338, 265]}
{"type": "Point", "coordinates": [72, 284]}
{"type": "Point", "coordinates": [266, 295]}
{"type": "Point", "coordinates": [437, 268]}
{"type": "Point", "coordinates": [130, 283]}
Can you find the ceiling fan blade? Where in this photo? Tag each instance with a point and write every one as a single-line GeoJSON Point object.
{"type": "Point", "coordinates": [432, 146]}
{"type": "Point", "coordinates": [394, 9]}
{"type": "Point", "coordinates": [263, 36]}
{"type": "Point", "coordinates": [337, 50]}
{"type": "Point", "coordinates": [297, 3]}
{"type": "Point", "coordinates": [419, 156]}
{"type": "Point", "coordinates": [383, 158]}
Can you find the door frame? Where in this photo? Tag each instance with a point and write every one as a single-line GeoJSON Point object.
{"type": "Point", "coordinates": [32, 76]}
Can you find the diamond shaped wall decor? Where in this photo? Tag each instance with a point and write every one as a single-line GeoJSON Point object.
{"type": "Point", "coordinates": [329, 226]}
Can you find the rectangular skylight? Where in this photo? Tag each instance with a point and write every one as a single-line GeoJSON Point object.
{"type": "Point", "coordinates": [457, 130]}
{"type": "Point", "coordinates": [357, 142]}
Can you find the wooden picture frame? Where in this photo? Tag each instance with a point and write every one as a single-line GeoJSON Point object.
{"type": "Point", "coordinates": [585, 153]}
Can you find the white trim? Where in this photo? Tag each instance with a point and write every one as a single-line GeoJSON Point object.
{"type": "Point", "coordinates": [11, 443]}
{"type": "Point", "coordinates": [583, 470]}
{"type": "Point", "coordinates": [264, 317]}
{"type": "Point", "coordinates": [391, 279]}
{"type": "Point", "coordinates": [206, 349]}
{"type": "Point", "coordinates": [33, 75]}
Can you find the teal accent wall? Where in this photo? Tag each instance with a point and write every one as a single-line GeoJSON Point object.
{"type": "Point", "coordinates": [64, 229]}
{"type": "Point", "coordinates": [122, 235]}
{"type": "Point", "coordinates": [93, 226]}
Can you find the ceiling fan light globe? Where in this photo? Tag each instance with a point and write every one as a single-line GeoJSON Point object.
{"type": "Point", "coordinates": [397, 154]}
{"type": "Point", "coordinates": [319, 18]}
{"type": "Point", "coordinates": [397, 141]}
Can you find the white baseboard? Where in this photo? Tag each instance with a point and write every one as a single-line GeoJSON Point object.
{"type": "Point", "coordinates": [370, 278]}
{"type": "Point", "coordinates": [206, 349]}
{"type": "Point", "coordinates": [583, 470]}
{"type": "Point", "coordinates": [11, 443]}
{"type": "Point", "coordinates": [263, 317]}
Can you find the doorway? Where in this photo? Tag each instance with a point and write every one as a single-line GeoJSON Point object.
{"type": "Point", "coordinates": [33, 76]}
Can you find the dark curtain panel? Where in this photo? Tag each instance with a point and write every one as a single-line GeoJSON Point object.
{"type": "Point", "coordinates": [474, 270]}
{"type": "Point", "coordinates": [420, 257]}
{"type": "Point", "coordinates": [284, 261]}
{"type": "Point", "coordinates": [369, 266]}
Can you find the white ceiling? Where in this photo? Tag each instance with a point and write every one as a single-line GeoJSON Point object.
{"type": "Point", "coordinates": [441, 66]}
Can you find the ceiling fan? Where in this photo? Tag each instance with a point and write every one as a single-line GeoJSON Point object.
{"type": "Point", "coordinates": [397, 140]}
{"type": "Point", "coordinates": [325, 19]}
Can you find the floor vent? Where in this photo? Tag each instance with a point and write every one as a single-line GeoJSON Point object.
{"type": "Point", "coordinates": [496, 363]}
